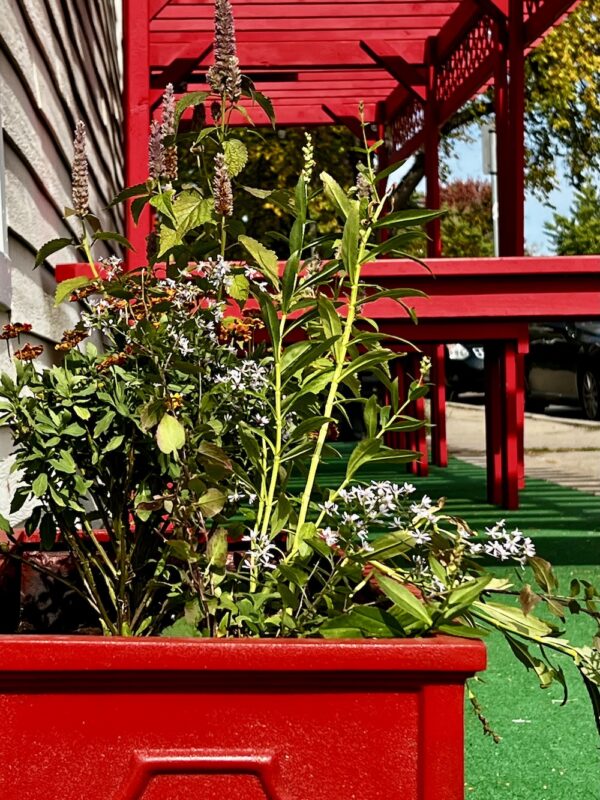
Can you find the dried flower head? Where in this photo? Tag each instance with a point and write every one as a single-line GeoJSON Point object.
{"type": "Point", "coordinates": [224, 77]}
{"type": "Point", "coordinates": [14, 329]}
{"type": "Point", "coordinates": [222, 187]}
{"type": "Point", "coordinates": [110, 361]}
{"type": "Point", "coordinates": [168, 129]}
{"type": "Point", "coordinates": [156, 151]}
{"type": "Point", "coordinates": [29, 351]}
{"type": "Point", "coordinates": [152, 247]}
{"type": "Point", "coordinates": [80, 189]}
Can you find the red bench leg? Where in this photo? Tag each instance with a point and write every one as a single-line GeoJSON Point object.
{"type": "Point", "coordinates": [439, 442]}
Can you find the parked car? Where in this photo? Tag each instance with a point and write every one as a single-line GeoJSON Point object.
{"type": "Point", "coordinates": [563, 366]}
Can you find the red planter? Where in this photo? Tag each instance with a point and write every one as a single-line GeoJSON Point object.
{"type": "Point", "coordinates": [86, 718]}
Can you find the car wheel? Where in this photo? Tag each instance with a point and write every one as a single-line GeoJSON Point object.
{"type": "Point", "coordinates": [589, 392]}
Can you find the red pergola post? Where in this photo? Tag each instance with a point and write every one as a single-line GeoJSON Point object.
{"type": "Point", "coordinates": [136, 101]}
{"type": "Point", "coordinates": [432, 147]}
{"type": "Point", "coordinates": [510, 129]}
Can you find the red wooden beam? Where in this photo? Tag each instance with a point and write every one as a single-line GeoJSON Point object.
{"type": "Point", "coordinates": [545, 17]}
{"type": "Point", "coordinates": [385, 55]}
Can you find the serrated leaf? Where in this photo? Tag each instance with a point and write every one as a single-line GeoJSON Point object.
{"type": "Point", "coordinates": [66, 288]}
{"type": "Point", "coordinates": [170, 434]}
{"type": "Point", "coordinates": [191, 210]}
{"type": "Point", "coordinates": [169, 238]}
{"type": "Point", "coordinates": [236, 156]}
{"type": "Point", "coordinates": [49, 248]}
{"type": "Point", "coordinates": [266, 259]}
{"type": "Point", "coordinates": [264, 102]}
{"type": "Point", "coordinates": [239, 288]}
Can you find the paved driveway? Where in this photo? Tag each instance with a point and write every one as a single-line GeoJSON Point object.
{"type": "Point", "coordinates": [565, 451]}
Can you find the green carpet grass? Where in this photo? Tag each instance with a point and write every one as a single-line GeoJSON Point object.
{"type": "Point", "coordinates": [548, 751]}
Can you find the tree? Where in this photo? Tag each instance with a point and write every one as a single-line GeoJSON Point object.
{"type": "Point", "coordinates": [467, 229]}
{"type": "Point", "coordinates": [578, 234]}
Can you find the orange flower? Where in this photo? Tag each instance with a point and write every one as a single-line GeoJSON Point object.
{"type": "Point", "coordinates": [110, 361]}
{"type": "Point", "coordinates": [12, 330]}
{"type": "Point", "coordinates": [71, 339]}
{"type": "Point", "coordinates": [28, 352]}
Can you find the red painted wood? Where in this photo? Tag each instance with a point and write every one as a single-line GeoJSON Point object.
{"type": "Point", "coordinates": [432, 157]}
{"type": "Point", "coordinates": [509, 444]}
{"type": "Point", "coordinates": [493, 423]}
{"type": "Point", "coordinates": [285, 720]}
{"type": "Point", "coordinates": [137, 116]}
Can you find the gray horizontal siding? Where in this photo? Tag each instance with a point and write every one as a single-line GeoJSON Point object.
{"type": "Point", "coordinates": [58, 64]}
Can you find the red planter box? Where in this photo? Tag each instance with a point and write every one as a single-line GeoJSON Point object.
{"type": "Point", "coordinates": [86, 718]}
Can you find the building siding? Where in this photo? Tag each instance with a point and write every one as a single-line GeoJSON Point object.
{"type": "Point", "coordinates": [59, 62]}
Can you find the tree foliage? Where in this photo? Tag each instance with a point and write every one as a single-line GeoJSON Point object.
{"type": "Point", "coordinates": [578, 234]}
{"type": "Point", "coordinates": [467, 226]}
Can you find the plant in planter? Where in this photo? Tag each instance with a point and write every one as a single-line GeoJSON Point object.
{"type": "Point", "coordinates": [194, 439]}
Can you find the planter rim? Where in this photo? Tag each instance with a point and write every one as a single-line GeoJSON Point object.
{"type": "Point", "coordinates": [54, 653]}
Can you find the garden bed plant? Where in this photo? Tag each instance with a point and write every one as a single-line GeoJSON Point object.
{"type": "Point", "coordinates": [162, 459]}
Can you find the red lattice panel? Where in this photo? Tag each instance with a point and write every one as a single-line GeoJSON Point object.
{"type": "Point", "coordinates": [476, 46]}
{"type": "Point", "coordinates": [409, 122]}
{"type": "Point", "coordinates": [530, 7]}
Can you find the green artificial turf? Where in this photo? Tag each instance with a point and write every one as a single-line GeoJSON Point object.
{"type": "Point", "coordinates": [548, 751]}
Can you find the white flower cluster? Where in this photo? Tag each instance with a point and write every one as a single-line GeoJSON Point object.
{"type": "Point", "coordinates": [505, 545]}
{"type": "Point", "coordinates": [262, 550]}
{"type": "Point", "coordinates": [218, 273]}
{"type": "Point", "coordinates": [113, 266]}
{"type": "Point", "coordinates": [247, 376]}
{"type": "Point", "coordinates": [358, 509]}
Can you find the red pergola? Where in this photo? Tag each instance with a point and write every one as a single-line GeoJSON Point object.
{"type": "Point", "coordinates": [414, 64]}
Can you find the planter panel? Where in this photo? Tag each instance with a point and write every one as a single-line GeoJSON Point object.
{"type": "Point", "coordinates": [178, 719]}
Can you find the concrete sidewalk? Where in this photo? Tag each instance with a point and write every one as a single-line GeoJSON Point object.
{"type": "Point", "coordinates": [564, 451]}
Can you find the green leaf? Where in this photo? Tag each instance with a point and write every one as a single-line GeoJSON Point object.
{"type": "Point", "coordinates": [408, 218]}
{"type": "Point", "coordinates": [216, 548]}
{"type": "Point", "coordinates": [236, 156]}
{"type": "Point", "coordinates": [163, 202]}
{"type": "Point", "coordinates": [74, 429]}
{"type": "Point", "coordinates": [335, 193]}
{"type": "Point", "coordinates": [266, 259]}
{"type": "Point", "coordinates": [82, 412]}
{"type": "Point", "coordinates": [362, 454]}
{"type": "Point", "coordinates": [403, 599]}
{"type": "Point", "coordinates": [212, 454]}
{"type": "Point", "coordinates": [112, 236]}
{"type": "Point", "coordinates": [211, 502]}
{"type": "Point", "coordinates": [264, 102]}
{"type": "Point", "coordinates": [103, 424]}
{"type": "Point", "coordinates": [5, 524]}
{"type": "Point", "coordinates": [47, 531]}
{"type": "Point", "coordinates": [131, 191]}
{"type": "Point", "coordinates": [191, 210]}
{"type": "Point", "coordinates": [170, 434]}
{"type": "Point", "coordinates": [113, 444]}
{"type": "Point", "coordinates": [66, 288]}
{"type": "Point", "coordinates": [187, 101]}
{"type": "Point", "coordinates": [370, 416]}
{"type": "Point", "coordinates": [40, 485]}
{"type": "Point", "coordinates": [239, 288]}
{"type": "Point", "coordinates": [181, 628]}
{"type": "Point", "coordinates": [543, 573]}
{"type": "Point", "coordinates": [350, 239]}
{"type": "Point", "coordinates": [169, 239]}
{"type": "Point", "coordinates": [50, 247]}
{"type": "Point", "coordinates": [371, 621]}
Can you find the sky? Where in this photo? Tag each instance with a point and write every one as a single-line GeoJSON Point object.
{"type": "Point", "coordinates": [467, 162]}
